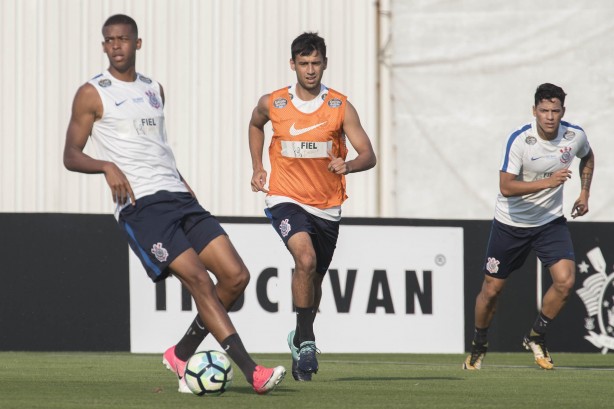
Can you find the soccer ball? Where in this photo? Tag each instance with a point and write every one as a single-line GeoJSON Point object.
{"type": "Point", "coordinates": [208, 373]}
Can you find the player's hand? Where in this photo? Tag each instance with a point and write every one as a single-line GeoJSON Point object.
{"type": "Point", "coordinates": [337, 165]}
{"type": "Point", "coordinates": [559, 177]}
{"type": "Point", "coordinates": [259, 180]}
{"type": "Point", "coordinates": [120, 187]}
{"type": "Point", "coordinates": [580, 208]}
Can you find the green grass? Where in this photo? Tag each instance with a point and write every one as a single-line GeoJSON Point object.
{"type": "Point", "coordinates": [125, 381]}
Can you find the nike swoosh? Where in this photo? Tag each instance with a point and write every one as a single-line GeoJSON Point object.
{"type": "Point", "coordinates": [532, 158]}
{"type": "Point", "coordinates": [297, 132]}
{"type": "Point", "coordinates": [120, 102]}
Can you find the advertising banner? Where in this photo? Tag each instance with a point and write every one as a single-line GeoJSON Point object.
{"type": "Point", "coordinates": [388, 289]}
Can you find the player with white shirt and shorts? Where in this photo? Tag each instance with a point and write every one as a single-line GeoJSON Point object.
{"type": "Point", "coordinates": [529, 216]}
{"type": "Point", "coordinates": [169, 231]}
{"type": "Point", "coordinates": [307, 183]}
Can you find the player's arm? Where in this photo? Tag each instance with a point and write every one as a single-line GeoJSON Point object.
{"type": "Point", "coordinates": [509, 186]}
{"type": "Point", "coordinates": [86, 109]}
{"type": "Point", "coordinates": [359, 139]}
{"type": "Point", "coordinates": [587, 165]}
{"type": "Point", "coordinates": [260, 116]}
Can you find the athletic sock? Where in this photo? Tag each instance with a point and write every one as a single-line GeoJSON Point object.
{"type": "Point", "coordinates": [304, 323]}
{"type": "Point", "coordinates": [540, 325]}
{"type": "Point", "coordinates": [480, 336]}
{"type": "Point", "coordinates": [186, 347]}
{"type": "Point", "coordinates": [233, 346]}
{"type": "Point", "coordinates": [296, 340]}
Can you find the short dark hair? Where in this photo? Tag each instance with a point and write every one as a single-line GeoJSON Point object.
{"type": "Point", "coordinates": [121, 19]}
{"type": "Point", "coordinates": [549, 91]}
{"type": "Point", "coordinates": [307, 43]}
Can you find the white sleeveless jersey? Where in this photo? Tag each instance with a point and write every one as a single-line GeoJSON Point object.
{"type": "Point", "coordinates": [131, 134]}
{"type": "Point", "coordinates": [532, 158]}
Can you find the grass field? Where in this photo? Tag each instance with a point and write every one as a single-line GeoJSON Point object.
{"type": "Point", "coordinates": [125, 381]}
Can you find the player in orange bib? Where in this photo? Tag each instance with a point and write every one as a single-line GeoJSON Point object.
{"type": "Point", "coordinates": [307, 184]}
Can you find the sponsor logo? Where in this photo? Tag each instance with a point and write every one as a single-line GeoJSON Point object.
{"type": "Point", "coordinates": [153, 99]}
{"type": "Point", "coordinates": [569, 135]}
{"type": "Point", "coordinates": [566, 154]}
{"type": "Point", "coordinates": [145, 79]}
{"type": "Point", "coordinates": [335, 103]}
{"type": "Point", "coordinates": [105, 82]}
{"type": "Point", "coordinates": [296, 132]}
{"type": "Point", "coordinates": [280, 102]}
{"type": "Point", "coordinates": [530, 140]}
{"type": "Point", "coordinates": [597, 293]}
{"type": "Point", "coordinates": [285, 227]}
{"type": "Point", "coordinates": [120, 102]}
{"type": "Point", "coordinates": [492, 266]}
{"type": "Point", "coordinates": [160, 252]}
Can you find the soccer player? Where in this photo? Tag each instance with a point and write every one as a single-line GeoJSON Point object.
{"type": "Point", "coordinates": [307, 185]}
{"type": "Point", "coordinates": [123, 112]}
{"type": "Point", "coordinates": [529, 215]}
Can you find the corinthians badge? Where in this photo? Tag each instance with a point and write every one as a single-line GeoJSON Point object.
{"type": "Point", "coordinates": [597, 293]}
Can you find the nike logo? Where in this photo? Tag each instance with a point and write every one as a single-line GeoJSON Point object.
{"type": "Point", "coordinates": [535, 158]}
{"type": "Point", "coordinates": [227, 348]}
{"type": "Point", "coordinates": [297, 132]}
{"type": "Point", "coordinates": [120, 102]}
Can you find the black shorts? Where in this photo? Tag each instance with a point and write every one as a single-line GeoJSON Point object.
{"type": "Point", "coordinates": [289, 218]}
{"type": "Point", "coordinates": [162, 226]}
{"type": "Point", "coordinates": [509, 246]}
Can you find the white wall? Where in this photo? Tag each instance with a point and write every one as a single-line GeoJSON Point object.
{"type": "Point", "coordinates": [464, 75]}
{"type": "Point", "coordinates": [215, 58]}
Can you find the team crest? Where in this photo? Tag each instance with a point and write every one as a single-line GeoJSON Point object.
{"type": "Point", "coordinates": [492, 266]}
{"type": "Point", "coordinates": [566, 154]}
{"type": "Point", "coordinates": [280, 102]}
{"type": "Point", "coordinates": [597, 293]}
{"type": "Point", "coordinates": [160, 252]}
{"type": "Point", "coordinates": [105, 82]}
{"type": "Point", "coordinates": [285, 227]}
{"type": "Point", "coordinates": [145, 79]}
{"type": "Point", "coordinates": [530, 140]}
{"type": "Point", "coordinates": [153, 99]}
{"type": "Point", "coordinates": [569, 135]}
{"type": "Point", "coordinates": [334, 103]}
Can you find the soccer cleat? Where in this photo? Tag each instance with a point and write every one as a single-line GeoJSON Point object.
{"type": "Point", "coordinates": [266, 379]}
{"type": "Point", "coordinates": [474, 360]}
{"type": "Point", "coordinates": [297, 374]}
{"type": "Point", "coordinates": [538, 346]}
{"type": "Point", "coordinates": [307, 361]}
{"type": "Point", "coordinates": [176, 365]}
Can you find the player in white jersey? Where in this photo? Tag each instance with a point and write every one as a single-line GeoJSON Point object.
{"type": "Point", "coordinates": [166, 227]}
{"type": "Point", "coordinates": [529, 215]}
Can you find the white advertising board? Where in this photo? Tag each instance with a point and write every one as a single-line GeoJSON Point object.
{"type": "Point", "coordinates": [388, 289]}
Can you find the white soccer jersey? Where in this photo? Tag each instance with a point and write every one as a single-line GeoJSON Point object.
{"type": "Point", "coordinates": [532, 158]}
{"type": "Point", "coordinates": [131, 134]}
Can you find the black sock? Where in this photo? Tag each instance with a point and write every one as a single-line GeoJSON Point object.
{"type": "Point", "coordinates": [480, 336]}
{"type": "Point", "coordinates": [540, 325]}
{"type": "Point", "coordinates": [304, 323]}
{"type": "Point", "coordinates": [186, 347]}
{"type": "Point", "coordinates": [296, 340]}
{"type": "Point", "coordinates": [233, 346]}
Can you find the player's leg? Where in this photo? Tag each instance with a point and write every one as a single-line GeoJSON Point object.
{"type": "Point", "coordinates": [220, 258]}
{"type": "Point", "coordinates": [507, 250]}
{"type": "Point", "coordinates": [554, 248]}
{"type": "Point", "coordinates": [485, 307]}
{"type": "Point", "coordinates": [192, 272]}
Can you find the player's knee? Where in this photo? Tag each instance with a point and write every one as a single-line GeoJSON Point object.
{"type": "Point", "coordinates": [306, 263]}
{"type": "Point", "coordinates": [237, 281]}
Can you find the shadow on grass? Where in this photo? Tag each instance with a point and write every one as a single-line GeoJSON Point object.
{"type": "Point", "coordinates": [399, 378]}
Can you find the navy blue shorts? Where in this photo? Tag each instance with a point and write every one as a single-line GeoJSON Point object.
{"type": "Point", "coordinates": [162, 226]}
{"type": "Point", "coordinates": [509, 246]}
{"type": "Point", "coordinates": [289, 218]}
